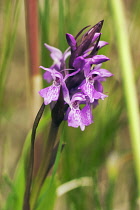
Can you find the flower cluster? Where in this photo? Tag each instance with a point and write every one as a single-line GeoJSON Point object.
{"type": "Point", "coordinates": [80, 82]}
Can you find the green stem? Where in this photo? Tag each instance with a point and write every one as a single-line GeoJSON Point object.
{"type": "Point", "coordinates": [57, 117]}
{"type": "Point", "coordinates": [58, 151]}
{"type": "Point", "coordinates": [128, 81]}
{"type": "Point", "coordinates": [48, 148]}
{"type": "Point", "coordinates": [11, 18]}
{"type": "Point", "coordinates": [61, 25]}
{"type": "Point", "coordinates": [26, 204]}
{"type": "Point", "coordinates": [110, 195]}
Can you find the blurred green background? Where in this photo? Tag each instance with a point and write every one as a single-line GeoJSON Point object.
{"type": "Point", "coordinates": [103, 152]}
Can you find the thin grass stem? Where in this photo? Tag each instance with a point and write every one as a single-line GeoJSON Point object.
{"type": "Point", "coordinates": [31, 11]}
{"type": "Point", "coordinates": [128, 81]}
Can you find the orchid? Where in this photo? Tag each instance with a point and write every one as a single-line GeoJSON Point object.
{"type": "Point", "coordinates": [80, 81]}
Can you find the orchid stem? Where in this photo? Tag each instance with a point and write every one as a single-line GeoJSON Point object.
{"type": "Point", "coordinates": [26, 205]}
{"type": "Point", "coordinates": [48, 148]}
{"type": "Point", "coordinates": [57, 118]}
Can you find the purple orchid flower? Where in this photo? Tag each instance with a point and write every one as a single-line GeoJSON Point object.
{"type": "Point", "coordinates": [77, 117]}
{"type": "Point", "coordinates": [51, 93]}
{"type": "Point", "coordinates": [87, 62]}
{"type": "Point", "coordinates": [59, 60]}
{"type": "Point", "coordinates": [93, 77]}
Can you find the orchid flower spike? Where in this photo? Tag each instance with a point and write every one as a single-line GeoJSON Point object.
{"type": "Point", "coordinates": [80, 79]}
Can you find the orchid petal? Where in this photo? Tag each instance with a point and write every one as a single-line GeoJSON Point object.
{"type": "Point", "coordinates": [79, 63]}
{"type": "Point", "coordinates": [50, 94]}
{"type": "Point", "coordinates": [104, 73]}
{"type": "Point", "coordinates": [47, 76]}
{"type": "Point", "coordinates": [102, 44]}
{"type": "Point", "coordinates": [65, 93]}
{"type": "Point", "coordinates": [74, 119]}
{"type": "Point", "coordinates": [96, 35]}
{"type": "Point", "coordinates": [72, 74]}
{"type": "Point", "coordinates": [86, 114]}
{"type": "Point", "coordinates": [97, 59]}
{"type": "Point", "coordinates": [56, 54]}
{"type": "Point", "coordinates": [46, 69]}
{"type": "Point", "coordinates": [71, 41]}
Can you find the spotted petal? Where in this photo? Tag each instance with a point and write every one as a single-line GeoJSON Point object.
{"type": "Point", "coordinates": [86, 114]}
{"type": "Point", "coordinates": [89, 90]}
{"type": "Point", "coordinates": [75, 119]}
{"type": "Point", "coordinates": [50, 94]}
